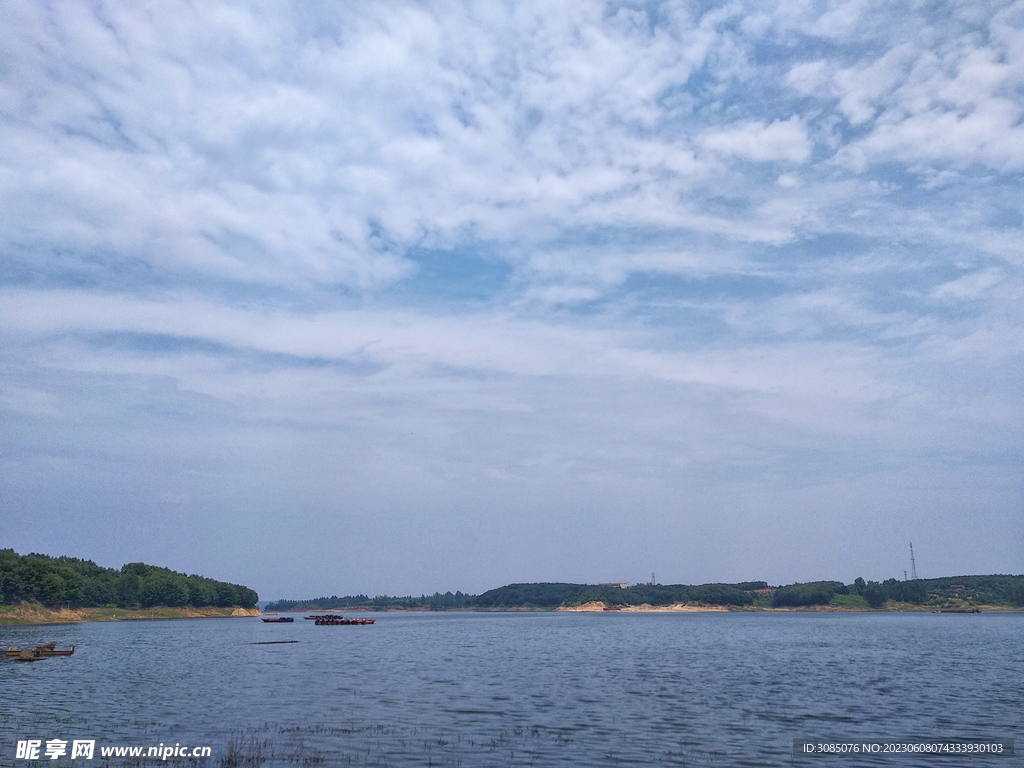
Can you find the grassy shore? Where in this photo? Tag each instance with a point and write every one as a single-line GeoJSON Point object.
{"type": "Point", "coordinates": [34, 613]}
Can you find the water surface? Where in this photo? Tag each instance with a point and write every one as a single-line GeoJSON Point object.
{"type": "Point", "coordinates": [544, 689]}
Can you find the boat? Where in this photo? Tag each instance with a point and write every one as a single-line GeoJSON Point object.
{"type": "Point", "coordinates": [40, 651]}
{"type": "Point", "coordinates": [333, 620]}
{"type": "Point", "coordinates": [279, 620]}
{"type": "Point", "coordinates": [44, 651]}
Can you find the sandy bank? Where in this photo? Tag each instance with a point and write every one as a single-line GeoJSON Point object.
{"type": "Point", "coordinates": [645, 608]}
{"type": "Point", "coordinates": [33, 613]}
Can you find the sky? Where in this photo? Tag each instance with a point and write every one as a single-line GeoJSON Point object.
{"type": "Point", "coordinates": [395, 297]}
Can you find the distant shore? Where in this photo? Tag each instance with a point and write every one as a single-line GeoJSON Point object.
{"type": "Point", "coordinates": [31, 613]}
{"type": "Point", "coordinates": [600, 607]}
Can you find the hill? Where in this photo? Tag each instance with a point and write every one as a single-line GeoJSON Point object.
{"type": "Point", "coordinates": [74, 583]}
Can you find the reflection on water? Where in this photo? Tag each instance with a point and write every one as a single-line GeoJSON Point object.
{"type": "Point", "coordinates": [483, 689]}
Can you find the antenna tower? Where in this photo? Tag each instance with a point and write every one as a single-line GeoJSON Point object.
{"type": "Point", "coordinates": [913, 565]}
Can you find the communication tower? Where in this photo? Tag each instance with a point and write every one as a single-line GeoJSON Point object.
{"type": "Point", "coordinates": [913, 565]}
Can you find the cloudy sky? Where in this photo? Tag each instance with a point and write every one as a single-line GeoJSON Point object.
{"type": "Point", "coordinates": [401, 297]}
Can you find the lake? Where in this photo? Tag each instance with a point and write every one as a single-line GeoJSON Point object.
{"type": "Point", "coordinates": [521, 689]}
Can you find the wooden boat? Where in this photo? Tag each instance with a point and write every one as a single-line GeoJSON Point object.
{"type": "Point", "coordinates": [44, 651]}
{"type": "Point", "coordinates": [333, 620]}
{"type": "Point", "coordinates": [40, 651]}
{"type": "Point", "coordinates": [67, 652]}
{"type": "Point", "coordinates": [279, 620]}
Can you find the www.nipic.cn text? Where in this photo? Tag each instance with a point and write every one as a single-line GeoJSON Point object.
{"type": "Point", "coordinates": [85, 749]}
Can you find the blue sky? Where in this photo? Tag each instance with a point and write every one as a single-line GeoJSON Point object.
{"type": "Point", "coordinates": [402, 297]}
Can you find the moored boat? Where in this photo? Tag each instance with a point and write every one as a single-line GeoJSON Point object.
{"type": "Point", "coordinates": [279, 620]}
{"type": "Point", "coordinates": [44, 651]}
{"type": "Point", "coordinates": [333, 620]}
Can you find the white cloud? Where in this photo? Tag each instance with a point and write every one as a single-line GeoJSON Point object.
{"type": "Point", "coordinates": [973, 286]}
{"type": "Point", "coordinates": [948, 102]}
{"type": "Point", "coordinates": [251, 153]}
{"type": "Point", "coordinates": [778, 141]}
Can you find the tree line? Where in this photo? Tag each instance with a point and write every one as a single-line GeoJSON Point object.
{"type": "Point", "coordinates": [541, 595]}
{"type": "Point", "coordinates": [83, 584]}
{"type": "Point", "coordinates": [976, 590]}
{"type": "Point", "coordinates": [435, 602]}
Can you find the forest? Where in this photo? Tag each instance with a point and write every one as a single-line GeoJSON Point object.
{"type": "Point", "coordinates": [68, 581]}
{"type": "Point", "coordinates": [919, 594]}
{"type": "Point", "coordinates": [1007, 591]}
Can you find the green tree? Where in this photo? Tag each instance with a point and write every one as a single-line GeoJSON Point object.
{"type": "Point", "coordinates": [128, 590]}
{"type": "Point", "coordinates": [811, 593]}
{"type": "Point", "coordinates": [874, 593]}
{"type": "Point", "coordinates": [201, 592]}
{"type": "Point", "coordinates": [163, 589]}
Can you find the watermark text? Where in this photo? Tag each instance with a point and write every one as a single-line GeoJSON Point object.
{"type": "Point", "coordinates": [85, 749]}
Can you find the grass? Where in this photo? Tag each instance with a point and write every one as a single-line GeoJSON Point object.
{"type": "Point", "coordinates": [850, 601]}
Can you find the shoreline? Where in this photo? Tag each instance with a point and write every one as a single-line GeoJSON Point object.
{"type": "Point", "coordinates": [599, 607]}
{"type": "Point", "coordinates": [31, 614]}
